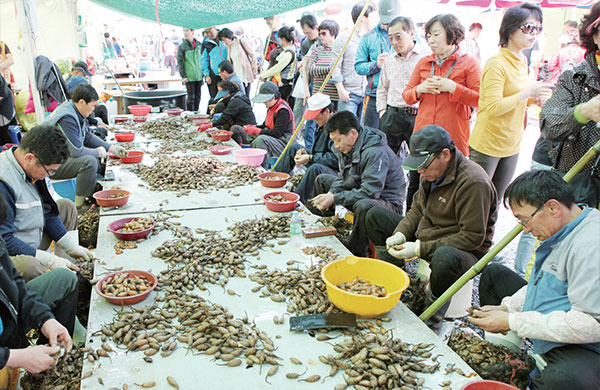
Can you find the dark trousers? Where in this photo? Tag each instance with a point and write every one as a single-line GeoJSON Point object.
{"type": "Point", "coordinates": [398, 126]}
{"type": "Point", "coordinates": [497, 282]}
{"type": "Point", "coordinates": [286, 163]}
{"type": "Point", "coordinates": [414, 180]}
{"type": "Point", "coordinates": [239, 135]}
{"type": "Point", "coordinates": [212, 86]}
{"type": "Point", "coordinates": [570, 366]}
{"type": "Point", "coordinates": [58, 288]}
{"type": "Point", "coordinates": [447, 264]}
{"type": "Point", "coordinates": [247, 87]}
{"type": "Point", "coordinates": [500, 169]}
{"type": "Point", "coordinates": [286, 92]}
{"type": "Point", "coordinates": [193, 95]}
{"type": "Point", "coordinates": [358, 242]}
{"type": "Point", "coordinates": [307, 184]}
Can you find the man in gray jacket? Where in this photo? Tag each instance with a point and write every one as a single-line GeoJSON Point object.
{"type": "Point", "coordinates": [85, 148]}
{"type": "Point", "coordinates": [370, 175]}
{"type": "Point", "coordinates": [33, 219]}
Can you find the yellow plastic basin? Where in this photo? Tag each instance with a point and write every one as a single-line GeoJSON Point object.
{"type": "Point", "coordinates": [394, 279]}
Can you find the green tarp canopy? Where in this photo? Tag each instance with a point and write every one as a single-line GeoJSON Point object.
{"type": "Point", "coordinates": [203, 13]}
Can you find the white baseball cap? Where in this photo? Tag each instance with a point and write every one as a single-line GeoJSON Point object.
{"type": "Point", "coordinates": [316, 103]}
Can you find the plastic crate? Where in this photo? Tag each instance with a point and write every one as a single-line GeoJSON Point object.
{"type": "Point", "coordinates": [14, 133]}
{"type": "Point", "coordinates": [65, 188]}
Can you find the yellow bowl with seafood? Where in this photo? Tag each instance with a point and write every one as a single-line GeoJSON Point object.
{"type": "Point", "coordinates": [378, 272]}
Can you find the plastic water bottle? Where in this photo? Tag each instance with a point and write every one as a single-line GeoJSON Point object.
{"type": "Point", "coordinates": [112, 107]}
{"type": "Point", "coordinates": [295, 224]}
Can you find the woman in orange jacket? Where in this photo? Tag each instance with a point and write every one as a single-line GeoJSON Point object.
{"type": "Point", "coordinates": [445, 84]}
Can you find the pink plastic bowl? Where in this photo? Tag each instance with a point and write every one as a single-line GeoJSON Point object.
{"type": "Point", "coordinates": [487, 385]}
{"type": "Point", "coordinates": [250, 156]}
{"type": "Point", "coordinates": [174, 111]}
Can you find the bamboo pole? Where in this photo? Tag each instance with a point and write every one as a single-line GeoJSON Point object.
{"type": "Point", "coordinates": [295, 133]}
{"type": "Point", "coordinates": [480, 265]}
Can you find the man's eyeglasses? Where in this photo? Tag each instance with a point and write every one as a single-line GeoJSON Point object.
{"type": "Point", "coordinates": [48, 172]}
{"type": "Point", "coordinates": [531, 29]}
{"type": "Point", "coordinates": [525, 222]}
{"type": "Point", "coordinates": [429, 162]}
{"type": "Point", "coordinates": [397, 37]}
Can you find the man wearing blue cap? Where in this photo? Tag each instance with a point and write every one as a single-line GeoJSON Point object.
{"type": "Point", "coordinates": [451, 220]}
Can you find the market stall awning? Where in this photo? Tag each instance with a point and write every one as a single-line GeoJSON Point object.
{"type": "Point", "coordinates": [202, 13]}
{"type": "Point", "coordinates": [508, 3]}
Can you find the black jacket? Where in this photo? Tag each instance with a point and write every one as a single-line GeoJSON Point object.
{"type": "Point", "coordinates": [238, 111]}
{"type": "Point", "coordinates": [322, 150]}
{"type": "Point", "coordinates": [370, 171]}
{"type": "Point", "coordinates": [20, 308]}
{"type": "Point", "coordinates": [49, 81]}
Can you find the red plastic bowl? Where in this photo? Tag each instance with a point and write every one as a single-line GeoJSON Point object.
{"type": "Point", "coordinates": [487, 385]}
{"type": "Point", "coordinates": [139, 119]}
{"type": "Point", "coordinates": [103, 198]}
{"type": "Point", "coordinates": [122, 118]}
{"type": "Point", "coordinates": [111, 155]}
{"type": "Point", "coordinates": [125, 137]}
{"type": "Point", "coordinates": [133, 157]}
{"type": "Point", "coordinates": [140, 109]}
{"type": "Point", "coordinates": [286, 206]}
{"type": "Point", "coordinates": [220, 149]}
{"type": "Point", "coordinates": [202, 121]}
{"type": "Point", "coordinates": [118, 224]}
{"type": "Point", "coordinates": [174, 111]}
{"type": "Point", "coordinates": [130, 300]}
{"type": "Point", "coordinates": [278, 179]}
{"type": "Point", "coordinates": [198, 116]}
{"type": "Point", "coordinates": [221, 135]}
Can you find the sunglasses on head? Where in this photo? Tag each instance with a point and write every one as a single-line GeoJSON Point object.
{"type": "Point", "coordinates": [530, 28]}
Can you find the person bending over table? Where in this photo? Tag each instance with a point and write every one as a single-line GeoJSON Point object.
{"type": "Point", "coordinates": [559, 309]}
{"type": "Point", "coordinates": [47, 303]}
{"type": "Point", "coordinates": [33, 219]}
{"type": "Point", "coordinates": [323, 158]}
{"type": "Point", "coordinates": [234, 107]}
{"type": "Point", "coordinates": [370, 175]}
{"type": "Point", "coordinates": [85, 148]}
{"type": "Point", "coordinates": [451, 220]}
{"type": "Point", "coordinates": [277, 130]}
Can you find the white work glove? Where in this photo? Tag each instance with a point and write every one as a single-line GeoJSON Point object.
{"type": "Point", "coordinates": [410, 249]}
{"type": "Point", "coordinates": [52, 261]}
{"type": "Point", "coordinates": [396, 239]}
{"type": "Point", "coordinates": [68, 243]}
{"type": "Point", "coordinates": [101, 152]}
{"type": "Point", "coordinates": [118, 150]}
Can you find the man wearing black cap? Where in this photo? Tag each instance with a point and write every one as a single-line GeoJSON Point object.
{"type": "Point", "coordinates": [451, 220]}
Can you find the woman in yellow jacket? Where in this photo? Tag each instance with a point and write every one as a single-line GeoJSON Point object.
{"type": "Point", "coordinates": [504, 95]}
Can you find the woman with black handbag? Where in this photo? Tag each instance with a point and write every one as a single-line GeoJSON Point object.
{"type": "Point", "coordinates": [572, 114]}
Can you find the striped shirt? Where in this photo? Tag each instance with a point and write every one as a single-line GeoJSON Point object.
{"type": "Point", "coordinates": [394, 76]}
{"type": "Point", "coordinates": [320, 62]}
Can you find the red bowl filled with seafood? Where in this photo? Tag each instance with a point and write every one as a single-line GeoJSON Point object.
{"type": "Point", "coordinates": [112, 198]}
{"type": "Point", "coordinates": [126, 287]}
{"type": "Point", "coordinates": [174, 111]}
{"type": "Point", "coordinates": [133, 157]}
{"type": "Point", "coordinates": [131, 228]}
{"type": "Point", "coordinates": [221, 135]}
{"type": "Point", "coordinates": [273, 179]}
{"type": "Point", "coordinates": [281, 201]}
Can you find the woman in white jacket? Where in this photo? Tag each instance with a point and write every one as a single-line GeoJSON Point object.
{"type": "Point", "coordinates": [241, 55]}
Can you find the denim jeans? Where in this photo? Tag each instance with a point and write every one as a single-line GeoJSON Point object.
{"type": "Point", "coordinates": [353, 105]}
{"type": "Point", "coordinates": [371, 118]}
